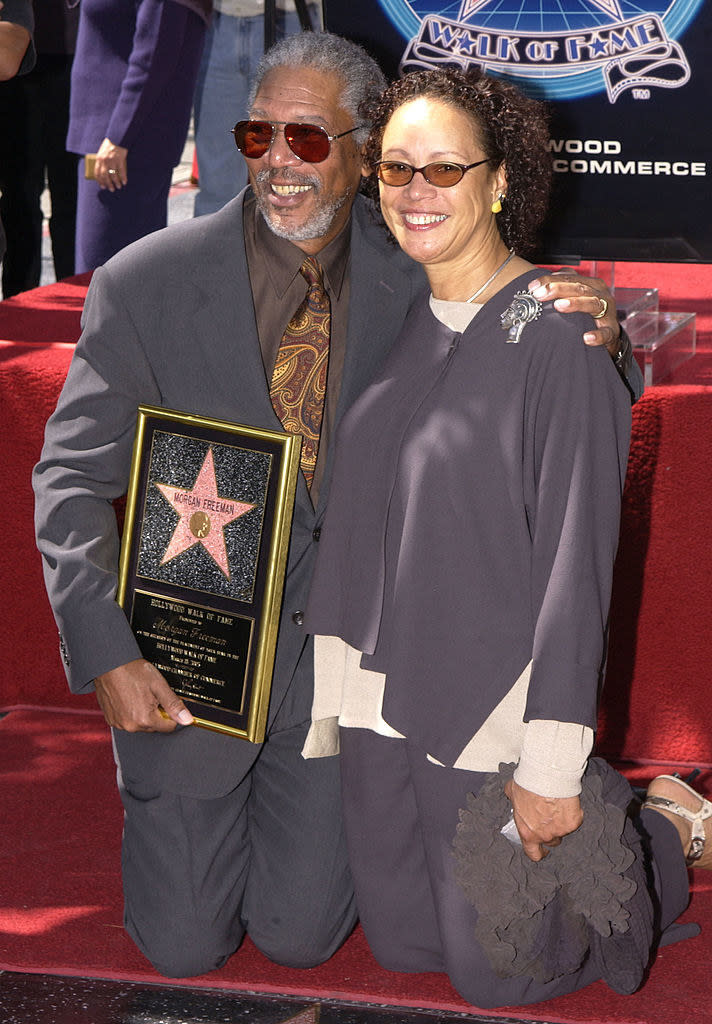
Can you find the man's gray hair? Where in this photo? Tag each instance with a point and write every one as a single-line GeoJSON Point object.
{"type": "Point", "coordinates": [362, 78]}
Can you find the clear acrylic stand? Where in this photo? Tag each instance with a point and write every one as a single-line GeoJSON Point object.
{"type": "Point", "coordinates": [661, 341]}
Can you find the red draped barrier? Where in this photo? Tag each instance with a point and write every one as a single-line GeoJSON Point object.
{"type": "Point", "coordinates": [656, 698]}
{"type": "Point", "coordinates": [31, 376]}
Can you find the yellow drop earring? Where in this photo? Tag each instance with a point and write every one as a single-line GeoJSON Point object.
{"type": "Point", "coordinates": [497, 204]}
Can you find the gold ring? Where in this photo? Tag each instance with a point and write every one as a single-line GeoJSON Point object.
{"type": "Point", "coordinates": [112, 171]}
{"type": "Point", "coordinates": [604, 309]}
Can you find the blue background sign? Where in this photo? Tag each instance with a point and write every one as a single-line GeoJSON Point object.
{"type": "Point", "coordinates": [629, 85]}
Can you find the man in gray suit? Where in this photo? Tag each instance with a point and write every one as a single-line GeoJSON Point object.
{"type": "Point", "coordinates": [223, 837]}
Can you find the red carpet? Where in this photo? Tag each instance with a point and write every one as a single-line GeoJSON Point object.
{"type": "Point", "coordinates": [47, 314]}
{"type": "Point", "coordinates": [60, 911]}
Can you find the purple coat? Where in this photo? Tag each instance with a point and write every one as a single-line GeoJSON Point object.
{"type": "Point", "coordinates": [133, 77]}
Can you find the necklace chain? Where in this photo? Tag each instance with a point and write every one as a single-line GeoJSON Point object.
{"type": "Point", "coordinates": [491, 279]}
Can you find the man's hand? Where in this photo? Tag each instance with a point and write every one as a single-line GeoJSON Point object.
{"type": "Point", "coordinates": [542, 821]}
{"type": "Point", "coordinates": [131, 697]}
{"type": "Point", "coordinates": [110, 166]}
{"type": "Point", "coordinates": [572, 293]}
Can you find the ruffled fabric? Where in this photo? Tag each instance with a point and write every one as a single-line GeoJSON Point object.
{"type": "Point", "coordinates": [588, 897]}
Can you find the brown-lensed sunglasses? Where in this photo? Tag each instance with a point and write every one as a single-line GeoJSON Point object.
{"type": "Point", "coordinates": [309, 142]}
{"type": "Point", "coordinates": [441, 173]}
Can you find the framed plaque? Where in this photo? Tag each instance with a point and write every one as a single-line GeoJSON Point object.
{"type": "Point", "coordinates": [203, 558]}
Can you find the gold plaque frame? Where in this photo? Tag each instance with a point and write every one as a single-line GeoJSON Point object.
{"type": "Point", "coordinates": [203, 559]}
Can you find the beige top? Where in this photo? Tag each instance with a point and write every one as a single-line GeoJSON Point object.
{"type": "Point", "coordinates": [551, 755]}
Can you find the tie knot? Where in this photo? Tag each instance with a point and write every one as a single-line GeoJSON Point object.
{"type": "Point", "coordinates": [311, 271]}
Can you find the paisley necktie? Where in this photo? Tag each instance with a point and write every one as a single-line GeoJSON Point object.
{"type": "Point", "coordinates": [299, 379]}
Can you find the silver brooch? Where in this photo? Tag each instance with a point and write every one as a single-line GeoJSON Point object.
{"type": "Point", "coordinates": [523, 309]}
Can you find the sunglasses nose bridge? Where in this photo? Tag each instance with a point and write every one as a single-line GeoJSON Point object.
{"type": "Point", "coordinates": [414, 182]}
{"type": "Point", "coordinates": [419, 180]}
{"type": "Point", "coordinates": [280, 149]}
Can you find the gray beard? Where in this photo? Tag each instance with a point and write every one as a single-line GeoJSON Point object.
{"type": "Point", "coordinates": [318, 224]}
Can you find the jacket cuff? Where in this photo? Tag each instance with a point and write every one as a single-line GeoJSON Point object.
{"type": "Point", "coordinates": [553, 758]}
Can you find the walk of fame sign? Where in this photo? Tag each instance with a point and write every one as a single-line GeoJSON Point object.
{"type": "Point", "coordinates": [203, 558]}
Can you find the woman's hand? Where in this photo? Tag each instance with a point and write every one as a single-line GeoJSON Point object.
{"type": "Point", "coordinates": [572, 293]}
{"type": "Point", "coordinates": [110, 166]}
{"type": "Point", "coordinates": [542, 821]}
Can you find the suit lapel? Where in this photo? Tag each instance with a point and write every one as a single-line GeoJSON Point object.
{"type": "Point", "coordinates": [224, 324]}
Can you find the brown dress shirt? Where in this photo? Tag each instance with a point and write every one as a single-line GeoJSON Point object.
{"type": "Point", "coordinates": [277, 290]}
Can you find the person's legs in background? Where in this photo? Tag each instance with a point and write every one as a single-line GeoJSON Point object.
{"type": "Point", "coordinates": [109, 221]}
{"type": "Point", "coordinates": [21, 183]}
{"type": "Point", "coordinates": [233, 47]}
{"type": "Point", "coordinates": [61, 165]}
{"type": "Point", "coordinates": [34, 111]}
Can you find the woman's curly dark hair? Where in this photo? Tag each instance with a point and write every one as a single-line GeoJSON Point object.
{"type": "Point", "coordinates": [513, 130]}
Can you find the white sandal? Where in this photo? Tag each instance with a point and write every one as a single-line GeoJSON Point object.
{"type": "Point", "coordinates": [695, 818]}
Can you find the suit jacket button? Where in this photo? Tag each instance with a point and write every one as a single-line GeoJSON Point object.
{"type": "Point", "coordinates": [298, 618]}
{"type": "Point", "coordinates": [317, 533]}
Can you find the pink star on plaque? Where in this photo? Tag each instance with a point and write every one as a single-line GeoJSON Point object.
{"type": "Point", "coordinates": [203, 514]}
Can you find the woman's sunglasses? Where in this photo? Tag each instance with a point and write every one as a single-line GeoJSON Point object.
{"type": "Point", "coordinates": [307, 141]}
{"type": "Point", "coordinates": [442, 174]}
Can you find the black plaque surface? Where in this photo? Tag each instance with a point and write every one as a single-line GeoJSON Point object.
{"type": "Point", "coordinates": [203, 558]}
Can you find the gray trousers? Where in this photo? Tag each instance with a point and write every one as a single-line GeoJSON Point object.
{"type": "Point", "coordinates": [400, 814]}
{"type": "Point", "coordinates": [267, 859]}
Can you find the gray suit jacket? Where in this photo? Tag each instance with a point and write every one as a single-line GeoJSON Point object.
{"type": "Point", "coordinates": [169, 321]}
